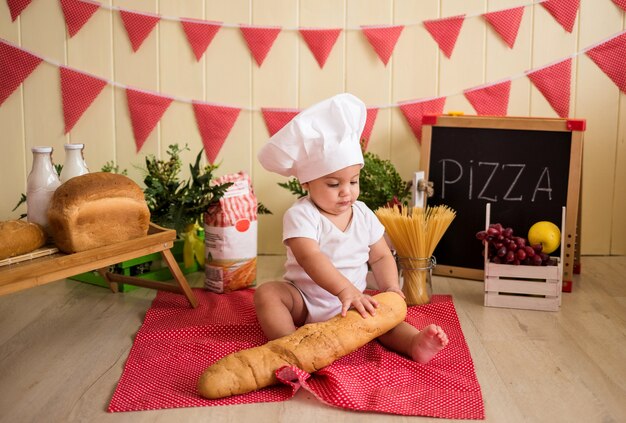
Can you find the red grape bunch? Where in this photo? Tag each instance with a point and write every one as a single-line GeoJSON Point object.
{"type": "Point", "coordinates": [505, 248]}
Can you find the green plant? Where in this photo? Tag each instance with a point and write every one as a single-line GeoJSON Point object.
{"type": "Point", "coordinates": [293, 185]}
{"type": "Point", "coordinates": [176, 204]}
{"type": "Point", "coordinates": [111, 167]}
{"type": "Point", "coordinates": [380, 184]}
{"type": "Point", "coordinates": [21, 201]}
{"type": "Point", "coordinates": [261, 209]}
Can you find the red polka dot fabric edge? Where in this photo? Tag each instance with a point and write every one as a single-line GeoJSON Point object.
{"type": "Point", "coordinates": [175, 344]}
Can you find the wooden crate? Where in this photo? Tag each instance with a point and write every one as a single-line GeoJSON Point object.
{"type": "Point", "coordinates": [521, 286]}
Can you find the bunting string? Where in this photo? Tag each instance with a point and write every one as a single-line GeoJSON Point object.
{"type": "Point", "coordinates": [215, 121]}
{"type": "Point", "coordinates": [79, 90]}
{"type": "Point", "coordinates": [320, 41]}
{"type": "Point", "coordinates": [298, 28]}
{"type": "Point", "coordinates": [381, 106]}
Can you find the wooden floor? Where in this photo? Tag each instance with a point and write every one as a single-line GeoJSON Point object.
{"type": "Point", "coordinates": [63, 347]}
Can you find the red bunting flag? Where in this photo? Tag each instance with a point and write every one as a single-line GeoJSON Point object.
{"type": "Point", "coordinates": [77, 13]}
{"type": "Point", "coordinates": [611, 58]}
{"type": "Point", "coordinates": [16, 7]}
{"type": "Point", "coordinates": [620, 3]}
{"type": "Point", "coordinates": [415, 111]}
{"type": "Point", "coordinates": [275, 119]}
{"type": "Point", "coordinates": [492, 100]}
{"type": "Point", "coordinates": [15, 66]}
{"type": "Point", "coordinates": [563, 11]}
{"type": "Point", "coordinates": [200, 34]}
{"type": "Point", "coordinates": [214, 124]}
{"type": "Point", "coordinates": [145, 112]}
{"type": "Point", "coordinates": [259, 40]}
{"type": "Point", "coordinates": [372, 113]}
{"type": "Point", "coordinates": [506, 23]}
{"type": "Point", "coordinates": [445, 32]}
{"type": "Point", "coordinates": [383, 39]}
{"type": "Point", "coordinates": [554, 82]}
{"type": "Point", "coordinates": [138, 26]}
{"type": "Point", "coordinates": [320, 42]}
{"type": "Point", "coordinates": [78, 90]}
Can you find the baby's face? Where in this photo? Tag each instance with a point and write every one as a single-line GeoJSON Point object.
{"type": "Point", "coordinates": [336, 192]}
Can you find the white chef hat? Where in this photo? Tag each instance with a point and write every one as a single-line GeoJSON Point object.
{"type": "Point", "coordinates": [320, 140]}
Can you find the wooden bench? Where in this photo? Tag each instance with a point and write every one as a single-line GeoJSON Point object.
{"type": "Point", "coordinates": [20, 275]}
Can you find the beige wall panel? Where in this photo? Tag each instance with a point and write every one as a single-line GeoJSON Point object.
{"type": "Point", "coordinates": [380, 140]}
{"type": "Point", "coordinates": [367, 77]}
{"type": "Point", "coordinates": [228, 81]}
{"type": "Point", "coordinates": [43, 112]}
{"type": "Point", "coordinates": [618, 233]}
{"type": "Point", "coordinates": [137, 70]}
{"type": "Point", "coordinates": [13, 160]}
{"type": "Point", "coordinates": [465, 68]}
{"type": "Point", "coordinates": [275, 84]}
{"type": "Point", "coordinates": [519, 100]}
{"type": "Point", "coordinates": [597, 100]}
{"type": "Point", "coordinates": [9, 30]}
{"type": "Point", "coordinates": [414, 72]}
{"type": "Point", "coordinates": [43, 15]}
{"type": "Point", "coordinates": [228, 60]}
{"type": "Point", "coordinates": [502, 62]}
{"type": "Point", "coordinates": [178, 126]}
{"type": "Point", "coordinates": [551, 43]}
{"type": "Point", "coordinates": [181, 75]}
{"type": "Point", "coordinates": [598, 183]}
{"type": "Point", "coordinates": [315, 83]}
{"type": "Point", "coordinates": [90, 51]}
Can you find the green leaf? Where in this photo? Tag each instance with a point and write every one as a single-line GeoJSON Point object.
{"type": "Point", "coordinates": [261, 209]}
{"type": "Point", "coordinates": [111, 167]}
{"type": "Point", "coordinates": [173, 203]}
{"type": "Point", "coordinates": [293, 185]}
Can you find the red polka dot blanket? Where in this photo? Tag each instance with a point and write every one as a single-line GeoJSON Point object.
{"type": "Point", "coordinates": [176, 343]}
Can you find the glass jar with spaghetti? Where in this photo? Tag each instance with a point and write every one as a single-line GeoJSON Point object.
{"type": "Point", "coordinates": [415, 274]}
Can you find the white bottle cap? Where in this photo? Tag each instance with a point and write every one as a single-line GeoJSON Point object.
{"type": "Point", "coordinates": [41, 149]}
{"type": "Point", "coordinates": [73, 146]}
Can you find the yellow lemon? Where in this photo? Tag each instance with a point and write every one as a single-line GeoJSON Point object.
{"type": "Point", "coordinates": [547, 234]}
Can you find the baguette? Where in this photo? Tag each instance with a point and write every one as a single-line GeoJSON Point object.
{"type": "Point", "coordinates": [18, 237]}
{"type": "Point", "coordinates": [310, 348]}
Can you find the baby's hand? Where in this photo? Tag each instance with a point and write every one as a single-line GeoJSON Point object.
{"type": "Point", "coordinates": [352, 297]}
{"type": "Point", "coordinates": [397, 290]}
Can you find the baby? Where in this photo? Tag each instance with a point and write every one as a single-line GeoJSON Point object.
{"type": "Point", "coordinates": [330, 236]}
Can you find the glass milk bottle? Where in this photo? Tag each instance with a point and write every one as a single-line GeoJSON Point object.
{"type": "Point", "coordinates": [41, 183]}
{"type": "Point", "coordinates": [74, 164]}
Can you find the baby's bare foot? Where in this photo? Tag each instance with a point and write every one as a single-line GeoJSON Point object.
{"type": "Point", "coordinates": [427, 343]}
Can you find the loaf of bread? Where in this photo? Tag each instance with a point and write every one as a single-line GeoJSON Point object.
{"type": "Point", "coordinates": [97, 209]}
{"type": "Point", "coordinates": [18, 237]}
{"type": "Point", "coordinates": [310, 348]}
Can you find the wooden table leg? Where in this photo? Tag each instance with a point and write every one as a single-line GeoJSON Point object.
{"type": "Point", "coordinates": [180, 287]}
{"type": "Point", "coordinates": [104, 272]}
{"type": "Point", "coordinates": [179, 277]}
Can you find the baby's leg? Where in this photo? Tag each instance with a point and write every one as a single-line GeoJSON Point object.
{"type": "Point", "coordinates": [280, 308]}
{"type": "Point", "coordinates": [421, 346]}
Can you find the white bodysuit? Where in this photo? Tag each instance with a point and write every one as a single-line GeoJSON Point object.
{"type": "Point", "coordinates": [348, 251]}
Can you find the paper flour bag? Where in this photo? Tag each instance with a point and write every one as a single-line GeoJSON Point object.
{"type": "Point", "coordinates": [230, 233]}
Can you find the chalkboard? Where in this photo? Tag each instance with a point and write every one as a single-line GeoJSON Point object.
{"type": "Point", "coordinates": [527, 168]}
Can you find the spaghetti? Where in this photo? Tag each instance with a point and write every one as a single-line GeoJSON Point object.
{"type": "Point", "coordinates": [415, 232]}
